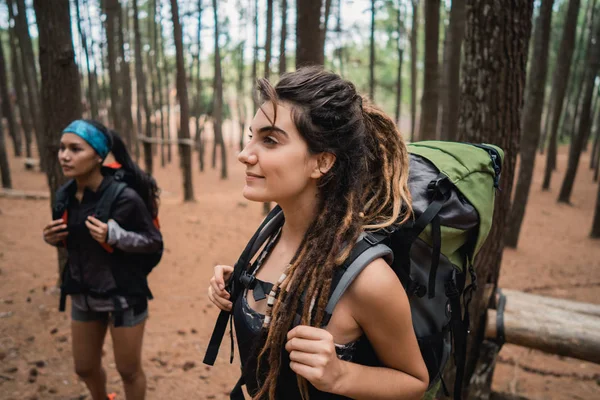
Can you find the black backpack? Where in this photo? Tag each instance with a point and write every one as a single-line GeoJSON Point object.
{"type": "Point", "coordinates": [102, 212]}
{"type": "Point", "coordinates": [453, 188]}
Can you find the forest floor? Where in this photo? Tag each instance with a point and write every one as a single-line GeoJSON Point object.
{"type": "Point", "coordinates": [555, 257]}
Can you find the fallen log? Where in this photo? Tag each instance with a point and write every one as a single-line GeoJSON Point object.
{"type": "Point", "coordinates": [531, 301]}
{"type": "Point", "coordinates": [554, 326]}
{"type": "Point", "coordinates": [21, 194]}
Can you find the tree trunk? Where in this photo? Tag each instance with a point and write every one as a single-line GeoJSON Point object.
{"type": "Point", "coordinates": [493, 77]}
{"type": "Point", "coordinates": [141, 82]}
{"type": "Point", "coordinates": [282, 57]}
{"type": "Point", "coordinates": [184, 132]}
{"type": "Point", "coordinates": [595, 112]}
{"type": "Point", "coordinates": [372, 54]}
{"type": "Point", "coordinates": [323, 28]}
{"type": "Point", "coordinates": [309, 43]}
{"type": "Point", "coordinates": [157, 58]}
{"type": "Point", "coordinates": [98, 78]}
{"type": "Point", "coordinates": [150, 63]}
{"type": "Point", "coordinates": [269, 38]}
{"type": "Point", "coordinates": [61, 90]}
{"type": "Point", "coordinates": [596, 145]}
{"type": "Point", "coordinates": [199, 104]}
{"type": "Point", "coordinates": [30, 71]}
{"type": "Point", "coordinates": [576, 79]}
{"type": "Point", "coordinates": [414, 43]}
{"type": "Point", "coordinates": [127, 124]}
{"type": "Point", "coordinates": [24, 111]}
{"type": "Point", "coordinates": [7, 107]}
{"type": "Point", "coordinates": [255, 58]}
{"type": "Point", "coordinates": [241, 96]}
{"type": "Point", "coordinates": [338, 29]}
{"type": "Point", "coordinates": [92, 85]}
{"type": "Point", "coordinates": [166, 69]}
{"type": "Point", "coordinates": [4, 166]}
{"type": "Point", "coordinates": [112, 9]}
{"type": "Point", "coordinates": [577, 144]}
{"type": "Point", "coordinates": [218, 98]}
{"type": "Point", "coordinates": [559, 85]}
{"type": "Point", "coordinates": [429, 101]}
{"type": "Point", "coordinates": [531, 120]}
{"type": "Point", "coordinates": [595, 233]}
{"type": "Point", "coordinates": [456, 33]}
{"type": "Point", "coordinates": [400, 48]}
{"type": "Point", "coordinates": [542, 144]}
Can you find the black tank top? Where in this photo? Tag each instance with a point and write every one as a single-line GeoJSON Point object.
{"type": "Point", "coordinates": [248, 328]}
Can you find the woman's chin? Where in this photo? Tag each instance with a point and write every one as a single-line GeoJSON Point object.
{"type": "Point", "coordinates": [254, 195]}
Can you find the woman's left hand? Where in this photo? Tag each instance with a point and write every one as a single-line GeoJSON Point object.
{"type": "Point", "coordinates": [97, 228]}
{"type": "Point", "coordinates": [313, 356]}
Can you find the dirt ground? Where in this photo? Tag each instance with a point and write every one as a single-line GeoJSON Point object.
{"type": "Point", "coordinates": [555, 258]}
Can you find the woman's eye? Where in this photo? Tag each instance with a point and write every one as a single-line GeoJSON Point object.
{"type": "Point", "coordinates": [269, 140]}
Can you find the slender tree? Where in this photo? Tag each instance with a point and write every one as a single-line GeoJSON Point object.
{"type": "Point", "coordinates": [141, 83]}
{"type": "Point", "coordinates": [531, 120]}
{"type": "Point", "coordinates": [493, 77]}
{"type": "Point", "coordinates": [451, 99]}
{"type": "Point", "coordinates": [112, 9]}
{"type": "Point", "coordinates": [309, 39]}
{"type": "Point", "coordinates": [593, 67]}
{"type": "Point", "coordinates": [4, 165]}
{"type": "Point", "coordinates": [400, 49]}
{"type": "Point", "coordinates": [158, 60]}
{"type": "Point", "coordinates": [218, 97]}
{"type": "Point", "coordinates": [269, 38]}
{"type": "Point", "coordinates": [372, 53]}
{"type": "Point", "coordinates": [199, 130]}
{"type": "Point", "coordinates": [92, 84]}
{"type": "Point", "coordinates": [7, 106]}
{"type": "Point", "coordinates": [282, 57]}
{"type": "Point", "coordinates": [429, 101]}
{"type": "Point", "coordinates": [255, 57]}
{"type": "Point", "coordinates": [559, 85]}
{"type": "Point", "coordinates": [126, 97]}
{"type": "Point", "coordinates": [24, 111]}
{"type": "Point", "coordinates": [30, 72]}
{"type": "Point", "coordinates": [184, 130]}
{"type": "Point", "coordinates": [414, 33]}
{"type": "Point", "coordinates": [595, 233]}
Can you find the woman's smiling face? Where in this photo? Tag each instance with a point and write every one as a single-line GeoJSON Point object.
{"type": "Point", "coordinates": [278, 163]}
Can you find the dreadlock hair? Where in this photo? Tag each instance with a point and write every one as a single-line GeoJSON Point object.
{"type": "Point", "coordinates": [365, 189]}
{"type": "Point", "coordinates": [143, 183]}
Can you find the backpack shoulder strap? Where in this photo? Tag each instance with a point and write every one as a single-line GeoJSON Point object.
{"type": "Point", "coordinates": [61, 199]}
{"type": "Point", "coordinates": [107, 200]}
{"type": "Point", "coordinates": [369, 248]}
{"type": "Point", "coordinates": [269, 226]}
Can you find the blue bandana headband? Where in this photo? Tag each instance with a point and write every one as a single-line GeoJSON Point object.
{"type": "Point", "coordinates": [92, 135]}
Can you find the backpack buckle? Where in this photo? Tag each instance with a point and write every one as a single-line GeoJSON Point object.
{"type": "Point", "coordinates": [249, 281]}
{"type": "Point", "coordinates": [416, 289]}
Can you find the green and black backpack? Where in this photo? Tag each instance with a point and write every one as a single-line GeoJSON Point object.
{"type": "Point", "coordinates": [453, 188]}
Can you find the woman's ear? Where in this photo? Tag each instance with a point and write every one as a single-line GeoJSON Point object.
{"type": "Point", "coordinates": [324, 163]}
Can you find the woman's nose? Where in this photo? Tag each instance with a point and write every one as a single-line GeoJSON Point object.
{"type": "Point", "coordinates": [247, 156]}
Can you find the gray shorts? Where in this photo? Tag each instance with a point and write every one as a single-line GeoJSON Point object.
{"type": "Point", "coordinates": [130, 317]}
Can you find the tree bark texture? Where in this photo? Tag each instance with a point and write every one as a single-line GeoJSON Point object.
{"type": "Point", "coordinates": [29, 69]}
{"type": "Point", "coordinates": [92, 84]}
{"type": "Point", "coordinates": [61, 90]}
{"type": "Point", "coordinates": [141, 89]}
{"type": "Point", "coordinates": [372, 54]}
{"type": "Point", "coordinates": [127, 124]}
{"type": "Point", "coordinates": [559, 85]}
{"type": "Point", "coordinates": [282, 55]}
{"type": "Point", "coordinates": [218, 99]}
{"type": "Point", "coordinates": [430, 99]}
{"type": "Point", "coordinates": [456, 33]}
{"type": "Point", "coordinates": [309, 44]}
{"type": "Point", "coordinates": [493, 81]}
{"type": "Point", "coordinates": [112, 9]}
{"type": "Point", "coordinates": [593, 66]}
{"type": "Point", "coordinates": [414, 43]}
{"type": "Point", "coordinates": [8, 109]}
{"type": "Point", "coordinates": [531, 120]}
{"type": "Point", "coordinates": [22, 104]}
{"type": "Point", "coordinates": [185, 151]}
{"type": "Point", "coordinates": [4, 165]}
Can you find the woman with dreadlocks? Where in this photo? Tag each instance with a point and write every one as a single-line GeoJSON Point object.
{"type": "Point", "coordinates": [337, 167]}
